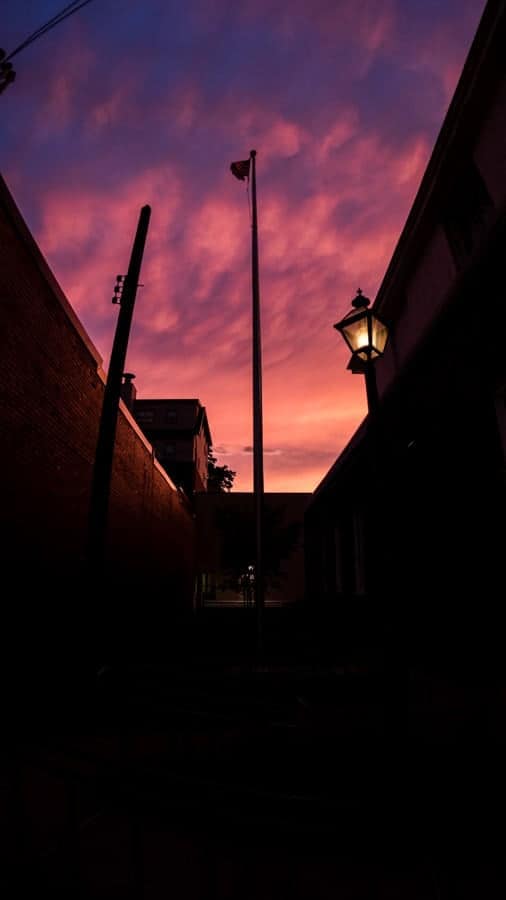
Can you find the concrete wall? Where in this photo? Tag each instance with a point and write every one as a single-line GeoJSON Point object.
{"type": "Point", "coordinates": [51, 392]}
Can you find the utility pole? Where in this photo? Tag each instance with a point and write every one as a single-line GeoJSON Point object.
{"type": "Point", "coordinates": [125, 291]}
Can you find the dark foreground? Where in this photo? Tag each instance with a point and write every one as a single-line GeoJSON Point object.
{"type": "Point", "coordinates": [332, 767]}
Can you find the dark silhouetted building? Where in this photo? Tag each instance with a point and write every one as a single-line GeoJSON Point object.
{"type": "Point", "coordinates": [415, 519]}
{"type": "Point", "coordinates": [179, 432]}
{"type": "Point", "coordinates": [225, 551]}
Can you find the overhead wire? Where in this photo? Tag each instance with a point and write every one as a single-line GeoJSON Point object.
{"type": "Point", "coordinates": [64, 13]}
{"type": "Point", "coordinates": [54, 19]}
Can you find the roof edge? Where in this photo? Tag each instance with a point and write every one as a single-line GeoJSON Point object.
{"type": "Point", "coordinates": [489, 22]}
{"type": "Point", "coordinates": [20, 226]}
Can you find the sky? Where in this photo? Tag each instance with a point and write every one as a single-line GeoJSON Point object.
{"type": "Point", "coordinates": [149, 101]}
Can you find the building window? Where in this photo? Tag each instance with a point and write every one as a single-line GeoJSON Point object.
{"type": "Point", "coordinates": [466, 213]}
{"type": "Point", "coordinates": [359, 554]}
{"type": "Point", "coordinates": [145, 416]}
{"type": "Point", "coordinates": [165, 451]}
{"type": "Point", "coordinates": [171, 416]}
{"type": "Point", "coordinates": [500, 408]}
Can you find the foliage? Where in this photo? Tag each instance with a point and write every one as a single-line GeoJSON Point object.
{"type": "Point", "coordinates": [219, 478]}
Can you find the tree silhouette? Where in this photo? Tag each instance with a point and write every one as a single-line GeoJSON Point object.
{"type": "Point", "coordinates": [219, 478]}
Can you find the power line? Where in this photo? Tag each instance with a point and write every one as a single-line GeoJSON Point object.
{"type": "Point", "coordinates": [7, 73]}
{"type": "Point", "coordinates": [51, 23]}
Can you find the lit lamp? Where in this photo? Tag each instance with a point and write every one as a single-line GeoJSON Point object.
{"type": "Point", "coordinates": [366, 336]}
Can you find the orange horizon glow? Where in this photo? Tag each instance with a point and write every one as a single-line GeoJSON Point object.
{"type": "Point", "coordinates": [343, 103]}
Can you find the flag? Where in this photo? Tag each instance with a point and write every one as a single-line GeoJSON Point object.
{"type": "Point", "coordinates": [240, 169]}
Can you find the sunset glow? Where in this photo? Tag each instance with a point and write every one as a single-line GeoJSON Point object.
{"type": "Point", "coordinates": [131, 103]}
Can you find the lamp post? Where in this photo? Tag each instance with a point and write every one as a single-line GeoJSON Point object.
{"type": "Point", "coordinates": [366, 336]}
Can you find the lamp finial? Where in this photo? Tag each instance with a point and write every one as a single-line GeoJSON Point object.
{"type": "Point", "coordinates": [360, 301]}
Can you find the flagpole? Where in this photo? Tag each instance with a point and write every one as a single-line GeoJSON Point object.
{"type": "Point", "coordinates": [258, 455]}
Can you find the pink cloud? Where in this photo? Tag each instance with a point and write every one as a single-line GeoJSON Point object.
{"type": "Point", "coordinates": [334, 189]}
{"type": "Point", "coordinates": [311, 262]}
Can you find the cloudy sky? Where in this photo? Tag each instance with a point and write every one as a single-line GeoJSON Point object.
{"type": "Point", "coordinates": [148, 101]}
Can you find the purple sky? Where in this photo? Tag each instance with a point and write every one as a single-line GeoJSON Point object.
{"type": "Point", "coordinates": [130, 103]}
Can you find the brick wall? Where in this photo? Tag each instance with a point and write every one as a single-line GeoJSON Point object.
{"type": "Point", "coordinates": [51, 391]}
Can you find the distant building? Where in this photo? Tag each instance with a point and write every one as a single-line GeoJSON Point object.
{"type": "Point", "coordinates": [419, 519]}
{"type": "Point", "coordinates": [225, 552]}
{"type": "Point", "coordinates": [179, 433]}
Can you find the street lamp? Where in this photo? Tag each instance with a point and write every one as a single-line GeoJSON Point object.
{"type": "Point", "coordinates": [366, 336]}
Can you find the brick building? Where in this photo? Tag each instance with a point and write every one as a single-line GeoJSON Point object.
{"type": "Point", "coordinates": [179, 433]}
{"type": "Point", "coordinates": [51, 392]}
